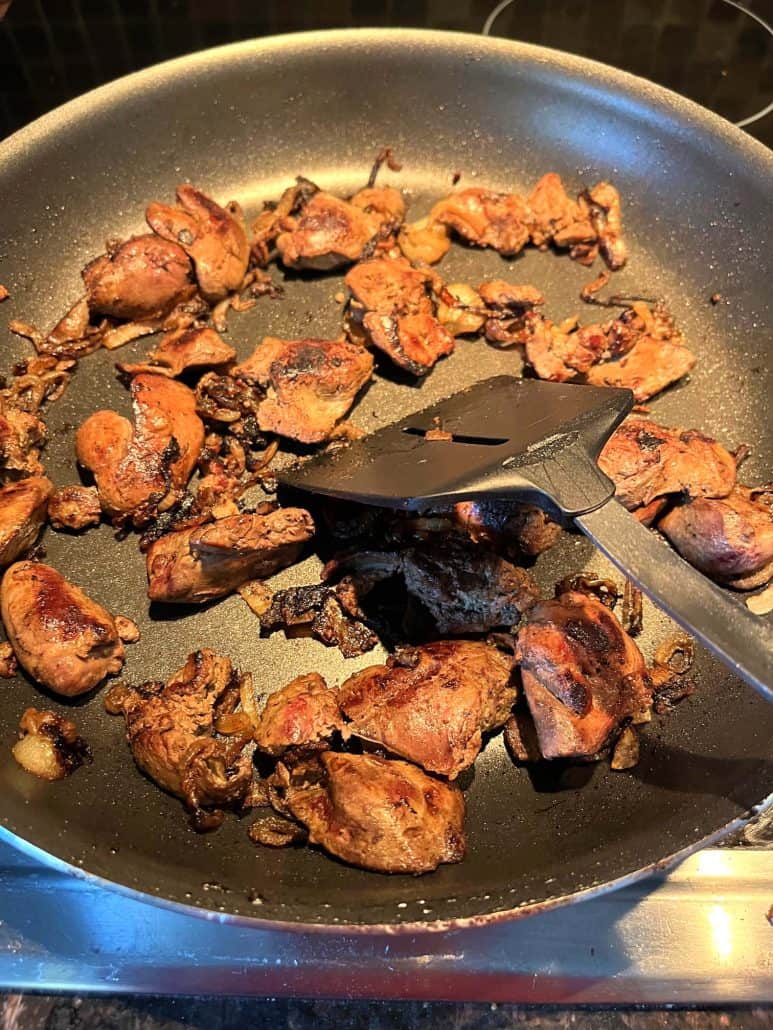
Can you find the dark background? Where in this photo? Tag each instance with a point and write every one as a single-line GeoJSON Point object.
{"type": "Point", "coordinates": [52, 50]}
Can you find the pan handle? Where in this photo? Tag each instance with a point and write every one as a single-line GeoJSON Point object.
{"type": "Point", "coordinates": [741, 639]}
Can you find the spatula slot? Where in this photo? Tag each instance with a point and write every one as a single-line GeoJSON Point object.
{"type": "Point", "coordinates": [479, 441]}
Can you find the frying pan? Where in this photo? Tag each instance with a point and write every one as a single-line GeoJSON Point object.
{"type": "Point", "coordinates": [241, 122]}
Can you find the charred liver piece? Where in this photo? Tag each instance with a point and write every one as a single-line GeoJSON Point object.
{"type": "Point", "coordinates": [143, 278]}
{"type": "Point", "coordinates": [582, 675]}
{"type": "Point", "coordinates": [23, 507]}
{"type": "Point", "coordinates": [310, 384]}
{"type": "Point", "coordinates": [192, 566]}
{"type": "Point", "coordinates": [61, 637]}
{"type": "Point", "coordinates": [213, 237]}
{"type": "Point", "coordinates": [465, 588]}
{"type": "Point", "coordinates": [516, 530]}
{"type": "Point", "coordinates": [171, 727]}
{"type": "Point", "coordinates": [143, 469]}
{"type": "Point", "coordinates": [331, 613]}
{"type": "Point", "coordinates": [432, 704]}
{"type": "Point", "coordinates": [383, 815]}
{"type": "Point", "coordinates": [302, 715]}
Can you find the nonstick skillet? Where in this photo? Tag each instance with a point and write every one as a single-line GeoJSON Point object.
{"type": "Point", "coordinates": [241, 122]}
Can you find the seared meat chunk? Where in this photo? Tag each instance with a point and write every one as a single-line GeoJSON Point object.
{"type": "Point", "coordinates": [331, 614]}
{"type": "Point", "coordinates": [195, 565]}
{"type": "Point", "coordinates": [310, 384]}
{"type": "Point", "coordinates": [144, 468]}
{"type": "Point", "coordinates": [61, 637]}
{"type": "Point", "coordinates": [49, 746]}
{"type": "Point", "coordinates": [388, 816]}
{"type": "Point", "coordinates": [74, 507]}
{"type": "Point", "coordinates": [606, 218]}
{"type": "Point", "coordinates": [304, 714]}
{"type": "Point", "coordinates": [509, 309]}
{"type": "Point", "coordinates": [213, 237]}
{"type": "Point", "coordinates": [171, 730]}
{"type": "Point", "coordinates": [143, 278]}
{"type": "Point", "coordinates": [465, 588]}
{"type": "Point", "coordinates": [328, 232]}
{"type": "Point", "coordinates": [396, 308]}
{"type": "Point", "coordinates": [647, 461]}
{"type": "Point", "coordinates": [432, 704]}
{"type": "Point", "coordinates": [648, 368]}
{"type": "Point", "coordinates": [23, 508]}
{"type": "Point", "coordinates": [729, 539]}
{"type": "Point", "coordinates": [513, 529]}
{"type": "Point", "coordinates": [556, 218]}
{"type": "Point", "coordinates": [22, 436]}
{"type": "Point", "coordinates": [641, 350]}
{"type": "Point", "coordinates": [184, 349]}
{"type": "Point", "coordinates": [486, 219]}
{"type": "Point", "coordinates": [582, 675]}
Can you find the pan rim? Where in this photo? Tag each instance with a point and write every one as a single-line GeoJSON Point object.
{"type": "Point", "coordinates": [669, 107]}
{"type": "Point", "coordinates": [428, 927]}
{"type": "Point", "coordinates": [584, 67]}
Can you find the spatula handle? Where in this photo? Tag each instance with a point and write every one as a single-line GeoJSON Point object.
{"type": "Point", "coordinates": [741, 639]}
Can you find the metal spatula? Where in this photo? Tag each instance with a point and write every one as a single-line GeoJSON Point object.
{"type": "Point", "coordinates": [538, 442]}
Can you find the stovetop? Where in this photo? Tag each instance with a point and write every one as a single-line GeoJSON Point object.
{"type": "Point", "coordinates": [718, 52]}
{"type": "Point", "coordinates": [700, 934]}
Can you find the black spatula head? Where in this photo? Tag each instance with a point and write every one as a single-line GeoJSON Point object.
{"type": "Point", "coordinates": [520, 438]}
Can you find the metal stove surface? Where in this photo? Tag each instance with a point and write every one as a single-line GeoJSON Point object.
{"type": "Point", "coordinates": [700, 934]}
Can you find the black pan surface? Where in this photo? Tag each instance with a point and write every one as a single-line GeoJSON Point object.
{"type": "Point", "coordinates": [241, 122]}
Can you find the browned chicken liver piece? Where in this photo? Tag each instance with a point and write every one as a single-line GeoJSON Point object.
{"type": "Point", "coordinates": [559, 356]}
{"type": "Point", "coordinates": [465, 588]}
{"type": "Point", "coordinates": [62, 638]}
{"type": "Point", "coordinates": [182, 350]}
{"type": "Point", "coordinates": [22, 436]}
{"type": "Point", "coordinates": [486, 219]}
{"type": "Point", "coordinates": [513, 529]}
{"type": "Point", "coordinates": [647, 369]}
{"type": "Point", "coordinates": [23, 507]}
{"type": "Point", "coordinates": [641, 350]}
{"type": "Point", "coordinates": [327, 233]}
{"type": "Point", "coordinates": [582, 675]}
{"type": "Point", "coordinates": [304, 714]}
{"type": "Point", "coordinates": [395, 306]}
{"type": "Point", "coordinates": [213, 237]}
{"type": "Point", "coordinates": [310, 384]}
{"type": "Point", "coordinates": [144, 278]}
{"type": "Point", "coordinates": [192, 566]}
{"type": "Point", "coordinates": [74, 507]}
{"type": "Point", "coordinates": [647, 461]}
{"type": "Point", "coordinates": [383, 815]}
{"type": "Point", "coordinates": [433, 704]}
{"type": "Point", "coordinates": [607, 221]}
{"type": "Point", "coordinates": [729, 539]}
{"type": "Point", "coordinates": [170, 729]}
{"type": "Point", "coordinates": [555, 217]}
{"type": "Point", "coordinates": [509, 308]}
{"type": "Point", "coordinates": [144, 468]}
{"type": "Point", "coordinates": [385, 202]}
